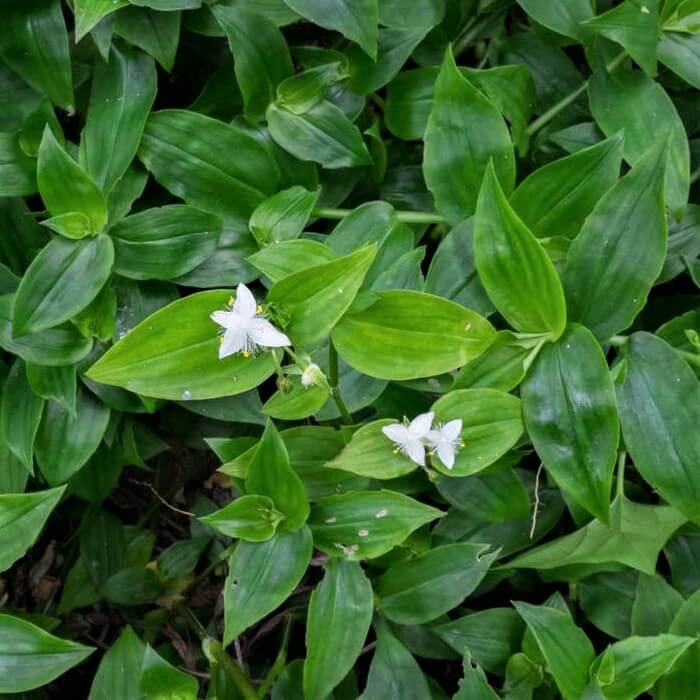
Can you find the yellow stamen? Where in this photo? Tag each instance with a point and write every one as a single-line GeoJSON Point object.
{"type": "Point", "coordinates": [462, 443]}
{"type": "Point", "coordinates": [221, 340]}
{"type": "Point", "coordinates": [258, 309]}
{"type": "Point", "coordinates": [230, 301]}
{"type": "Point", "coordinates": [246, 353]}
{"type": "Point", "coordinates": [396, 451]}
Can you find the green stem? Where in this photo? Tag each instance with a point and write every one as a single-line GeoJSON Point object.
{"type": "Point", "coordinates": [280, 661]}
{"type": "Point", "coordinates": [407, 217]}
{"type": "Point", "coordinates": [695, 175]}
{"type": "Point", "coordinates": [333, 381]}
{"type": "Point", "coordinates": [565, 101]}
{"type": "Point", "coordinates": [225, 554]}
{"type": "Point", "coordinates": [620, 489]}
{"type": "Point", "coordinates": [690, 357]}
{"type": "Point", "coordinates": [232, 669]}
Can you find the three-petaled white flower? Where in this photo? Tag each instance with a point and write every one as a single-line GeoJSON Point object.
{"type": "Point", "coordinates": [245, 328]}
{"type": "Point", "coordinates": [409, 438]}
{"type": "Point", "coordinates": [445, 440]}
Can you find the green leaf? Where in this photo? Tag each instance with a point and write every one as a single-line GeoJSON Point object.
{"type": "Point", "coordinates": [407, 15]}
{"type": "Point", "coordinates": [354, 19]}
{"type": "Point", "coordinates": [54, 347]}
{"type": "Point", "coordinates": [282, 259]}
{"type": "Point", "coordinates": [607, 599]}
{"type": "Point", "coordinates": [517, 274]}
{"type": "Point", "coordinates": [491, 425]}
{"type": "Point", "coordinates": [565, 647]}
{"type": "Point", "coordinates": [296, 402]}
{"type": "Point", "coordinates": [260, 53]}
{"type": "Point", "coordinates": [316, 298]}
{"type": "Point", "coordinates": [22, 517]}
{"type": "Point", "coordinates": [262, 576]}
{"type": "Point", "coordinates": [283, 216]}
{"type": "Point", "coordinates": [251, 518]}
{"type": "Point", "coordinates": [173, 354]}
{"type": "Point", "coordinates": [393, 671]}
{"type": "Point", "coordinates": [564, 18]}
{"type": "Point", "coordinates": [681, 53]}
{"type": "Point", "coordinates": [622, 100]}
{"type": "Point", "coordinates": [188, 154]}
{"type": "Point", "coordinates": [628, 668]}
{"type": "Point", "coordinates": [270, 474]}
{"type": "Point", "coordinates": [556, 198]}
{"type": "Point", "coordinates": [655, 606]}
{"type": "Point", "coordinates": [118, 674]}
{"type": "Point", "coordinates": [61, 281]}
{"type": "Point", "coordinates": [165, 242]}
{"type": "Point", "coordinates": [157, 33]}
{"type": "Point", "coordinates": [571, 417]}
{"type": "Point", "coordinates": [300, 92]}
{"type": "Point", "coordinates": [56, 383]}
{"type": "Point", "coordinates": [633, 25]}
{"type": "Point", "coordinates": [659, 401]}
{"type": "Point", "coordinates": [162, 681]}
{"type": "Point", "coordinates": [180, 558]}
{"type": "Point", "coordinates": [635, 541]}
{"type": "Point", "coordinates": [323, 134]}
{"type": "Point", "coordinates": [371, 222]}
{"type": "Point", "coordinates": [613, 263]}
{"type": "Point", "coordinates": [366, 524]}
{"type": "Point", "coordinates": [67, 189]}
{"type": "Point", "coordinates": [123, 91]}
{"type": "Point", "coordinates": [399, 347]}
{"type": "Point", "coordinates": [17, 170]}
{"type": "Point", "coordinates": [66, 441]}
{"type": "Point", "coordinates": [370, 453]}
{"type": "Point", "coordinates": [88, 14]}
{"type": "Point", "coordinates": [34, 44]}
{"type": "Point", "coordinates": [421, 589]}
{"type": "Point", "coordinates": [31, 657]}
{"type": "Point", "coordinates": [395, 47]}
{"type": "Point", "coordinates": [490, 636]}
{"type": "Point", "coordinates": [340, 613]}
{"type": "Point", "coordinates": [102, 545]}
{"type": "Point", "coordinates": [465, 131]}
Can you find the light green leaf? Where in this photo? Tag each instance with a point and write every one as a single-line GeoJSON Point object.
{"type": "Point", "coordinates": [283, 216]}
{"type": "Point", "coordinates": [22, 517]}
{"type": "Point", "coordinates": [282, 259]}
{"type": "Point", "coordinates": [517, 274]}
{"type": "Point", "coordinates": [89, 12]}
{"type": "Point", "coordinates": [61, 281]}
{"type": "Point", "coordinates": [316, 298]}
{"type": "Point", "coordinates": [613, 263]}
{"type": "Point", "coordinates": [366, 524]}
{"type": "Point", "coordinates": [465, 131]}
{"type": "Point", "coordinates": [162, 681]}
{"type": "Point", "coordinates": [67, 189]}
{"type": "Point", "coordinates": [118, 674]}
{"type": "Point", "coordinates": [251, 518]}
{"type": "Point", "coordinates": [296, 402]}
{"type": "Point", "coordinates": [31, 657]}
{"type": "Point", "coordinates": [173, 354]}
{"type": "Point", "coordinates": [659, 400]}
{"type": "Point", "coordinates": [571, 417]}
{"type": "Point", "coordinates": [564, 18]}
{"type": "Point", "coordinates": [387, 340]}
{"type": "Point", "coordinates": [340, 613]}
{"type": "Point", "coordinates": [123, 91]}
{"type": "Point", "coordinates": [261, 577]}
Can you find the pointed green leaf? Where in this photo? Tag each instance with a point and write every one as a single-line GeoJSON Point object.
{"type": "Point", "coordinates": [261, 577]}
{"type": "Point", "coordinates": [251, 518]}
{"type": "Point", "coordinates": [117, 676]}
{"type": "Point", "coordinates": [517, 274]}
{"type": "Point", "coordinates": [613, 263]}
{"type": "Point", "coordinates": [89, 12]}
{"type": "Point", "coordinates": [571, 417]}
{"type": "Point", "coordinates": [465, 131]}
{"type": "Point", "coordinates": [283, 216]}
{"type": "Point", "coordinates": [659, 400]}
{"type": "Point", "coordinates": [157, 33]}
{"type": "Point", "coordinates": [173, 354]}
{"type": "Point", "coordinates": [564, 18]}
{"type": "Point", "coordinates": [163, 681]}
{"type": "Point", "coordinates": [31, 657]}
{"type": "Point", "coordinates": [340, 613]}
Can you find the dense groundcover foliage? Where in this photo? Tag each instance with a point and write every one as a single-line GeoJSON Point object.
{"type": "Point", "coordinates": [350, 349]}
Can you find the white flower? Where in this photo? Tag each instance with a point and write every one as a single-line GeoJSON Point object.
{"type": "Point", "coordinates": [445, 440]}
{"type": "Point", "coordinates": [245, 328]}
{"type": "Point", "coordinates": [409, 438]}
{"type": "Point", "coordinates": [312, 376]}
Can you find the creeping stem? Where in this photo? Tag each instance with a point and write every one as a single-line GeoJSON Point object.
{"type": "Point", "coordinates": [333, 381]}
{"type": "Point", "coordinates": [407, 217]}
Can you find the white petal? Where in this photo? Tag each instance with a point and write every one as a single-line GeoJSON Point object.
{"type": "Point", "coordinates": [396, 433]}
{"type": "Point", "coordinates": [416, 451]}
{"type": "Point", "coordinates": [446, 454]}
{"type": "Point", "coordinates": [420, 425]}
{"type": "Point", "coordinates": [452, 429]}
{"type": "Point", "coordinates": [245, 304]}
{"type": "Point", "coordinates": [227, 319]}
{"type": "Point", "coordinates": [433, 438]}
{"type": "Point", "coordinates": [263, 333]}
{"type": "Point", "coordinates": [234, 341]}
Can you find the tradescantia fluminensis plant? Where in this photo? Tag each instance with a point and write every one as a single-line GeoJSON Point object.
{"type": "Point", "coordinates": [350, 349]}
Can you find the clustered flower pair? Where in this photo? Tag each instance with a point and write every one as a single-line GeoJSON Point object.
{"type": "Point", "coordinates": [419, 435]}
